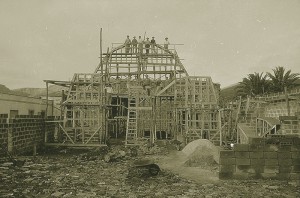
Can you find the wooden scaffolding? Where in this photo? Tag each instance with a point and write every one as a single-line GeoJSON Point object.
{"type": "Point", "coordinates": [139, 93]}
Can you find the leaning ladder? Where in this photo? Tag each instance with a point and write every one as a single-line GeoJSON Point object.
{"type": "Point", "coordinates": [131, 129]}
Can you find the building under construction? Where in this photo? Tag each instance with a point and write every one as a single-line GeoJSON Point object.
{"type": "Point", "coordinates": [135, 94]}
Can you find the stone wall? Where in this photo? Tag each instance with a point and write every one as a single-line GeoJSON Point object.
{"type": "Point", "coordinates": [275, 157]}
{"type": "Point", "coordinates": [19, 135]}
{"type": "Point", "coordinates": [274, 110]}
{"type": "Point", "coordinates": [290, 125]}
{"type": "Point", "coordinates": [3, 133]}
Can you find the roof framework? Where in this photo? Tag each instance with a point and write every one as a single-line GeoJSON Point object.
{"type": "Point", "coordinates": [138, 93]}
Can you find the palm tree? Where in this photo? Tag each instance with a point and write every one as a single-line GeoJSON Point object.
{"type": "Point", "coordinates": [280, 79]}
{"type": "Point", "coordinates": [254, 84]}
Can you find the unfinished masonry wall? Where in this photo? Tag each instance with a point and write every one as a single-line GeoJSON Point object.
{"type": "Point", "coordinates": [277, 157]}
{"type": "Point", "coordinates": [20, 134]}
{"type": "Point", "coordinates": [290, 125]}
{"type": "Point", "coordinates": [274, 110]}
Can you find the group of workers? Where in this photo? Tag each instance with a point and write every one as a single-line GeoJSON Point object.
{"type": "Point", "coordinates": [136, 46]}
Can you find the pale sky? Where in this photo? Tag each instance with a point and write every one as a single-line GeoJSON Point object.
{"type": "Point", "coordinates": [224, 39]}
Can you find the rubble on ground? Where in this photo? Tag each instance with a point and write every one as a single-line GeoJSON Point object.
{"type": "Point", "coordinates": [86, 174]}
{"type": "Point", "coordinates": [201, 153]}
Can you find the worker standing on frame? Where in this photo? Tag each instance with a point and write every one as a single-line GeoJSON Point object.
{"type": "Point", "coordinates": [147, 45]}
{"type": "Point", "coordinates": [140, 44]}
{"type": "Point", "coordinates": [134, 43]}
{"type": "Point", "coordinates": [127, 45]}
{"type": "Point", "coordinates": [153, 45]}
{"type": "Point", "coordinates": [166, 43]}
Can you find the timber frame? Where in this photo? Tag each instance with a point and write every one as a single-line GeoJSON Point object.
{"type": "Point", "coordinates": [134, 95]}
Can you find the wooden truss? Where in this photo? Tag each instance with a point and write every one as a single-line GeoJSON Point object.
{"type": "Point", "coordinates": [136, 93]}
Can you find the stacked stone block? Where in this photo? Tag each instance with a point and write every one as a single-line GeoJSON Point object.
{"type": "Point", "coordinates": [21, 134]}
{"type": "Point", "coordinates": [290, 125]}
{"type": "Point", "coordinates": [26, 131]}
{"type": "Point", "coordinates": [275, 157]}
{"type": "Point", "coordinates": [3, 133]}
{"type": "Point", "coordinates": [277, 109]}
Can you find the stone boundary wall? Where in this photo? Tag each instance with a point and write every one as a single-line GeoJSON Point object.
{"type": "Point", "coordinates": [274, 110]}
{"type": "Point", "coordinates": [19, 135]}
{"type": "Point", "coordinates": [275, 157]}
{"type": "Point", "coordinates": [289, 125]}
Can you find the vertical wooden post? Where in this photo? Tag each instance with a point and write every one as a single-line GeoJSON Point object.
{"type": "Point", "coordinates": [220, 126]}
{"type": "Point", "coordinates": [287, 101]}
{"type": "Point", "coordinates": [101, 63]}
{"type": "Point", "coordinates": [47, 98]}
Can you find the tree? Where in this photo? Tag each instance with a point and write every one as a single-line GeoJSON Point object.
{"type": "Point", "coordinates": [254, 84]}
{"type": "Point", "coordinates": [280, 79]}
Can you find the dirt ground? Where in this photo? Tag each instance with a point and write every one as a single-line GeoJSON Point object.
{"type": "Point", "coordinates": [84, 173]}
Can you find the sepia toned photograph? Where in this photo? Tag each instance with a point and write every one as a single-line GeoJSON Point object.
{"type": "Point", "coordinates": [149, 98]}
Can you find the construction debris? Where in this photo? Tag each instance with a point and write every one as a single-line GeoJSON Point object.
{"type": "Point", "coordinates": [201, 153]}
{"type": "Point", "coordinates": [72, 175]}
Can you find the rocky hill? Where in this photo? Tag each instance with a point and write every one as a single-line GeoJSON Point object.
{"type": "Point", "coordinates": [4, 89]}
{"type": "Point", "coordinates": [54, 91]}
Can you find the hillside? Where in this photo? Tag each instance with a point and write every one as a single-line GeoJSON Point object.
{"type": "Point", "coordinates": [228, 93]}
{"type": "Point", "coordinates": [54, 91]}
{"type": "Point", "coordinates": [4, 89]}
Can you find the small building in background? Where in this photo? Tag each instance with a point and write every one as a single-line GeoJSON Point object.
{"type": "Point", "coordinates": [14, 104]}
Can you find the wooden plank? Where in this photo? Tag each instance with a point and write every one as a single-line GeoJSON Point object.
{"type": "Point", "coordinates": [75, 145]}
{"type": "Point", "coordinates": [140, 108]}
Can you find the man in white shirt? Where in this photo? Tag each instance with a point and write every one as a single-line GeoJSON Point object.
{"type": "Point", "coordinates": [140, 44]}
{"type": "Point", "coordinates": [166, 43]}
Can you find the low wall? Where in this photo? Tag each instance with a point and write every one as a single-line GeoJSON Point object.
{"type": "Point", "coordinates": [274, 110]}
{"type": "Point", "coordinates": [276, 157]}
{"type": "Point", "coordinates": [19, 135]}
{"type": "Point", "coordinates": [289, 125]}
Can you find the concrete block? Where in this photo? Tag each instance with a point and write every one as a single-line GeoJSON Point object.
{"type": "Point", "coordinates": [227, 154]}
{"type": "Point", "coordinates": [296, 169]}
{"type": "Point", "coordinates": [257, 155]}
{"type": "Point", "coordinates": [284, 148]}
{"type": "Point", "coordinates": [242, 161]}
{"type": "Point", "coordinates": [283, 176]}
{"type": "Point", "coordinates": [271, 169]}
{"type": "Point", "coordinates": [295, 176]}
{"type": "Point", "coordinates": [285, 162]}
{"type": "Point", "coordinates": [284, 155]}
{"type": "Point", "coordinates": [271, 162]}
{"type": "Point", "coordinates": [285, 169]}
{"type": "Point", "coordinates": [271, 147]}
{"type": "Point", "coordinates": [227, 161]}
{"type": "Point", "coordinates": [256, 147]}
{"type": "Point", "coordinates": [257, 162]}
{"type": "Point", "coordinates": [295, 147]}
{"type": "Point", "coordinates": [242, 168]}
{"type": "Point", "coordinates": [255, 176]}
{"type": "Point", "coordinates": [295, 154]}
{"type": "Point", "coordinates": [287, 118]}
{"type": "Point", "coordinates": [256, 141]}
{"type": "Point", "coordinates": [256, 169]}
{"type": "Point", "coordinates": [241, 154]}
{"type": "Point", "coordinates": [269, 175]}
{"type": "Point", "coordinates": [225, 175]}
{"type": "Point", "coordinates": [270, 155]}
{"type": "Point", "coordinates": [226, 168]}
{"type": "Point", "coordinates": [241, 147]}
{"type": "Point", "coordinates": [240, 175]}
{"type": "Point", "coordinates": [296, 141]}
{"type": "Point", "coordinates": [296, 161]}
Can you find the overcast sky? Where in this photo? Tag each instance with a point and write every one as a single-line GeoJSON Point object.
{"type": "Point", "coordinates": [224, 39]}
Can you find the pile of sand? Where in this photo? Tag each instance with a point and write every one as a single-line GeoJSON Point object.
{"type": "Point", "coordinates": [201, 153]}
